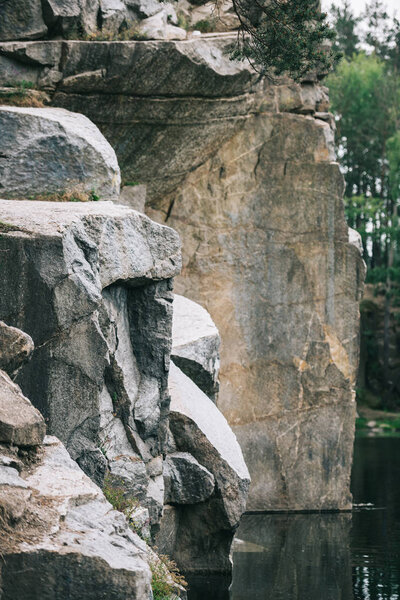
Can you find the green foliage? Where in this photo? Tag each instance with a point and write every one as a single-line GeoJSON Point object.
{"type": "Point", "coordinates": [205, 26]}
{"type": "Point", "coordinates": [279, 36]}
{"type": "Point", "coordinates": [165, 578]}
{"type": "Point", "coordinates": [117, 497]}
{"type": "Point", "coordinates": [347, 39]}
{"type": "Point", "coordinates": [365, 95]}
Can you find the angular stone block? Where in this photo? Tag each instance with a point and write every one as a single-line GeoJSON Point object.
{"type": "Point", "coordinates": [195, 344]}
{"type": "Point", "coordinates": [20, 423]}
{"type": "Point", "coordinates": [52, 151]}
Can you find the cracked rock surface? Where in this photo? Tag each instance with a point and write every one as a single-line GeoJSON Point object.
{"type": "Point", "coordinates": [91, 284]}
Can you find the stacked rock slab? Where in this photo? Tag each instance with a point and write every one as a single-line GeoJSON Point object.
{"type": "Point", "coordinates": [245, 171]}
{"type": "Point", "coordinates": [91, 283]}
{"type": "Point", "coordinates": [59, 537]}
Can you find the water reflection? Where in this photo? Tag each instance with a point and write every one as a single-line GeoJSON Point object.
{"type": "Point", "coordinates": [292, 557]}
{"type": "Point", "coordinates": [323, 556]}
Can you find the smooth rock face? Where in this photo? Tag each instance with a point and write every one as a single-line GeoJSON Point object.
{"type": "Point", "coordinates": [48, 150]}
{"type": "Point", "coordinates": [186, 481]}
{"type": "Point", "coordinates": [20, 423]}
{"type": "Point", "coordinates": [59, 530]}
{"type": "Point", "coordinates": [195, 344]}
{"type": "Point", "coordinates": [16, 348]}
{"type": "Point", "coordinates": [267, 221]}
{"type": "Point", "coordinates": [205, 529]}
{"type": "Point", "coordinates": [91, 283]}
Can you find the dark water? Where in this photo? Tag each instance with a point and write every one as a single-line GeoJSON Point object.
{"type": "Point", "coordinates": [323, 556]}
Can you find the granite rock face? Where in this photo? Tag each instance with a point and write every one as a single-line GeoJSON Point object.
{"type": "Point", "coordinates": [186, 480]}
{"type": "Point", "coordinates": [48, 151]}
{"type": "Point", "coordinates": [246, 173]}
{"type": "Point", "coordinates": [195, 344]}
{"type": "Point", "coordinates": [91, 283]}
{"type": "Point", "coordinates": [22, 22]}
{"type": "Point", "coordinates": [58, 529]}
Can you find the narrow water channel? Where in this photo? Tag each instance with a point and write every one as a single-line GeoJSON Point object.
{"type": "Point", "coordinates": [352, 556]}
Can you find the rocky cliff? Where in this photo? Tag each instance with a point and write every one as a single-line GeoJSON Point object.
{"type": "Point", "coordinates": [244, 170]}
{"type": "Point", "coordinates": [91, 284]}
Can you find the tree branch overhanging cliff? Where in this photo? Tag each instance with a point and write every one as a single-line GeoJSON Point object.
{"type": "Point", "coordinates": [284, 36]}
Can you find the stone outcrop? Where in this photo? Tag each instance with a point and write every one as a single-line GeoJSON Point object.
{"type": "Point", "coordinates": [198, 531]}
{"type": "Point", "coordinates": [90, 282]}
{"type": "Point", "coordinates": [56, 526]}
{"type": "Point", "coordinates": [52, 151]}
{"type": "Point", "coordinates": [186, 481]}
{"type": "Point", "coordinates": [246, 172]}
{"type": "Point", "coordinates": [195, 344]}
{"type": "Point", "coordinates": [60, 531]}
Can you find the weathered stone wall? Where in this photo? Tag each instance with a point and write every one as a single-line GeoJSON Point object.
{"type": "Point", "coordinates": [245, 171]}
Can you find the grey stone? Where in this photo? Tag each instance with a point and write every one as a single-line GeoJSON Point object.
{"type": "Point", "coordinates": [113, 15]}
{"type": "Point", "coordinates": [133, 196]}
{"type": "Point", "coordinates": [195, 344]}
{"type": "Point", "coordinates": [22, 20]}
{"type": "Point", "coordinates": [186, 481]}
{"type": "Point", "coordinates": [20, 423]}
{"type": "Point", "coordinates": [201, 430]}
{"type": "Point", "coordinates": [165, 539]}
{"type": "Point", "coordinates": [355, 239]}
{"type": "Point", "coordinates": [48, 150]}
{"type": "Point", "coordinates": [129, 473]}
{"type": "Point", "coordinates": [144, 8]}
{"type": "Point", "coordinates": [101, 317]}
{"type": "Point", "coordinates": [154, 500]}
{"type": "Point", "coordinates": [220, 16]}
{"type": "Point", "coordinates": [16, 348]}
{"type": "Point", "coordinates": [66, 538]}
{"type": "Point", "coordinates": [158, 27]}
{"type": "Point", "coordinates": [139, 518]}
{"type": "Point", "coordinates": [71, 18]}
{"type": "Point", "coordinates": [10, 476]}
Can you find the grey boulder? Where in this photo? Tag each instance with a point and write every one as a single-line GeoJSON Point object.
{"type": "Point", "coordinates": [16, 348]}
{"type": "Point", "coordinates": [199, 535]}
{"type": "Point", "coordinates": [186, 481]}
{"type": "Point", "coordinates": [71, 18]}
{"type": "Point", "coordinates": [62, 533]}
{"type": "Point", "coordinates": [195, 344]}
{"type": "Point", "coordinates": [96, 296]}
{"type": "Point", "coordinates": [21, 19]}
{"type": "Point", "coordinates": [20, 423]}
{"type": "Point", "coordinates": [50, 151]}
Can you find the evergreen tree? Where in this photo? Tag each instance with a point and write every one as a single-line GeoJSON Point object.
{"type": "Point", "coordinates": [290, 36]}
{"type": "Point", "coordinates": [347, 39]}
{"type": "Point", "coordinates": [365, 95]}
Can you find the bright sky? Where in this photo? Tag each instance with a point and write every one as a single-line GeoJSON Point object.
{"type": "Point", "coordinates": [359, 5]}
